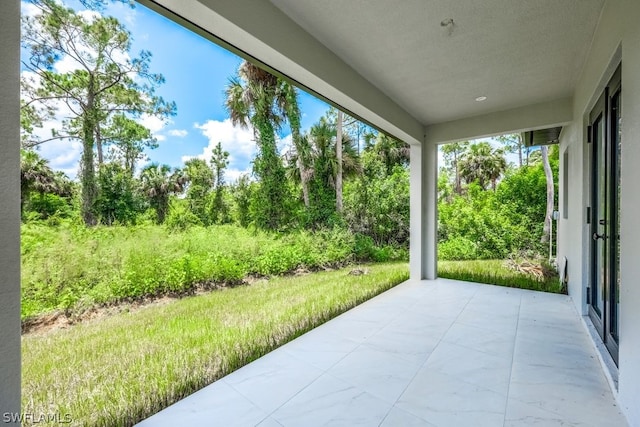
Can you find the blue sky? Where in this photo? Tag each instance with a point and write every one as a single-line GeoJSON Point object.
{"type": "Point", "coordinates": [196, 73]}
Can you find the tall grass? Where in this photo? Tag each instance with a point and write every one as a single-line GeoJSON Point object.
{"type": "Point", "coordinates": [494, 272]}
{"type": "Point", "coordinates": [72, 268]}
{"type": "Point", "coordinates": [126, 367]}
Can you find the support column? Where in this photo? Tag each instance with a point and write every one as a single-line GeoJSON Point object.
{"type": "Point", "coordinates": [10, 209]}
{"type": "Point", "coordinates": [424, 212]}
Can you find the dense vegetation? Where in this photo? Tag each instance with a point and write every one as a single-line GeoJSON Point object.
{"type": "Point", "coordinates": [481, 223]}
{"type": "Point", "coordinates": [71, 268]}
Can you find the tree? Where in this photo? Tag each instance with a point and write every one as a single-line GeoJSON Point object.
{"type": "Point", "coordinates": [242, 192]}
{"type": "Point", "coordinates": [339, 162]}
{"type": "Point", "coordinates": [546, 230]}
{"type": "Point", "coordinates": [37, 177]}
{"type": "Point", "coordinates": [199, 177]}
{"type": "Point", "coordinates": [452, 153]}
{"type": "Point", "coordinates": [219, 162]}
{"type": "Point", "coordinates": [391, 151]}
{"type": "Point", "coordinates": [252, 99]}
{"type": "Point", "coordinates": [119, 198]}
{"type": "Point", "coordinates": [482, 164]}
{"type": "Point", "coordinates": [128, 140]}
{"type": "Point", "coordinates": [104, 82]}
{"type": "Point", "coordinates": [377, 203]}
{"type": "Point", "coordinates": [513, 143]}
{"type": "Point", "coordinates": [287, 99]}
{"type": "Point", "coordinates": [322, 139]}
{"type": "Point", "coordinates": [159, 182]}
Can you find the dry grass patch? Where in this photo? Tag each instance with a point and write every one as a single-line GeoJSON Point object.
{"type": "Point", "coordinates": [499, 272]}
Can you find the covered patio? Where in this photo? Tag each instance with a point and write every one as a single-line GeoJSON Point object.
{"type": "Point", "coordinates": [429, 352]}
{"type": "Point", "coordinates": [425, 353]}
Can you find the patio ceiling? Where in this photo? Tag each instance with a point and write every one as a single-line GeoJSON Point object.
{"type": "Point", "coordinates": [515, 53]}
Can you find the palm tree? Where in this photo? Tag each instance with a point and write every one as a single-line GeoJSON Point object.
{"type": "Point", "coordinates": [391, 151]}
{"type": "Point", "coordinates": [256, 97]}
{"type": "Point", "coordinates": [158, 183]}
{"type": "Point", "coordinates": [287, 100]}
{"type": "Point", "coordinates": [35, 176]}
{"type": "Point", "coordinates": [482, 164]}
{"type": "Point", "coordinates": [322, 139]}
{"type": "Point", "coordinates": [452, 154]}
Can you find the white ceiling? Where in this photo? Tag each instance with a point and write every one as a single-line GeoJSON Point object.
{"type": "Point", "coordinates": [514, 52]}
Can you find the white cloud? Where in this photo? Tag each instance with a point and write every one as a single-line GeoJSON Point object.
{"type": "Point", "coordinates": [285, 144]}
{"type": "Point", "coordinates": [238, 142]}
{"type": "Point", "coordinates": [89, 15]}
{"type": "Point", "coordinates": [66, 65]}
{"type": "Point", "coordinates": [63, 155]}
{"type": "Point", "coordinates": [29, 9]}
{"type": "Point", "coordinates": [232, 175]}
{"type": "Point", "coordinates": [123, 11]}
{"type": "Point", "coordinates": [235, 140]}
{"type": "Point", "coordinates": [153, 123]}
{"type": "Point", "coordinates": [180, 133]}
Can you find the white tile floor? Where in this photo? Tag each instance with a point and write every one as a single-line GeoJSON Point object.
{"type": "Point", "coordinates": [431, 353]}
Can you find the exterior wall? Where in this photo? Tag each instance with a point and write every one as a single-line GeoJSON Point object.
{"type": "Point", "coordinates": [9, 209]}
{"type": "Point", "coordinates": [630, 206]}
{"type": "Point", "coordinates": [617, 39]}
{"type": "Point", "coordinates": [572, 228]}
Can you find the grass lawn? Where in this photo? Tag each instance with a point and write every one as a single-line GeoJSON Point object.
{"type": "Point", "coordinates": [121, 369]}
{"type": "Point", "coordinates": [494, 272]}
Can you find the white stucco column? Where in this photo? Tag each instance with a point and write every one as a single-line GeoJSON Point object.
{"type": "Point", "coordinates": [424, 212]}
{"type": "Point", "coordinates": [9, 208]}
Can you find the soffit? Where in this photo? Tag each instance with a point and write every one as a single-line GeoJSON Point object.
{"type": "Point", "coordinates": [514, 52]}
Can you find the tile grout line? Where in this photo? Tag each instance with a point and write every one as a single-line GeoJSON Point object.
{"type": "Point", "coordinates": [324, 371]}
{"type": "Point", "coordinates": [426, 360]}
{"type": "Point", "coordinates": [513, 354]}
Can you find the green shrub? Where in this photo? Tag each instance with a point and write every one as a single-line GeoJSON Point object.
{"type": "Point", "coordinates": [71, 267]}
{"type": "Point", "coordinates": [457, 248]}
{"type": "Point", "coordinates": [181, 217]}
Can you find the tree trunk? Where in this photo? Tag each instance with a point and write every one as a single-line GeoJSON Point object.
{"type": "Point", "coordinates": [458, 183]}
{"type": "Point", "coordinates": [304, 178]}
{"type": "Point", "coordinates": [87, 179]}
{"type": "Point", "coordinates": [339, 161]}
{"type": "Point", "coordinates": [519, 150]}
{"type": "Point", "coordinates": [98, 143]}
{"type": "Point", "coordinates": [546, 230]}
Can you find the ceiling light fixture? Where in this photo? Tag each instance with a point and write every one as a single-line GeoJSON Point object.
{"type": "Point", "coordinates": [448, 24]}
{"type": "Point", "coordinates": [481, 98]}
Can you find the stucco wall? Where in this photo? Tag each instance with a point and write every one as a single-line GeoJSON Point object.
{"type": "Point", "coordinates": [571, 229]}
{"type": "Point", "coordinates": [9, 209]}
{"type": "Point", "coordinates": [617, 39]}
{"type": "Point", "coordinates": [630, 205]}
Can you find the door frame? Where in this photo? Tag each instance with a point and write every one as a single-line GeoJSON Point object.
{"type": "Point", "coordinates": [604, 234]}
